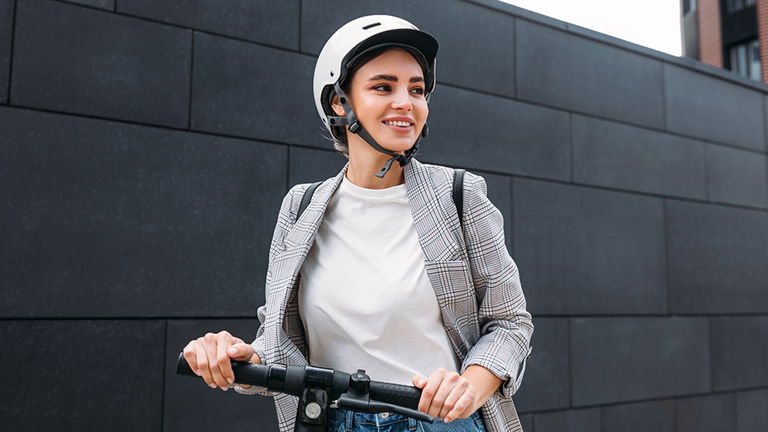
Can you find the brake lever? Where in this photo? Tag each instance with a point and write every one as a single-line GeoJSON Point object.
{"type": "Point", "coordinates": [347, 401]}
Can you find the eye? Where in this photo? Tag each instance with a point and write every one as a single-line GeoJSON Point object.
{"type": "Point", "coordinates": [382, 87]}
{"type": "Point", "coordinates": [418, 90]}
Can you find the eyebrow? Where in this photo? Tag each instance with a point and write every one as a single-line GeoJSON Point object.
{"type": "Point", "coordinates": [393, 78]}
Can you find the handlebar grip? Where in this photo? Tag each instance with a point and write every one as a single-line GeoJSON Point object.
{"type": "Point", "coordinates": [182, 367]}
{"type": "Point", "coordinates": [245, 373]}
{"type": "Point", "coordinates": [396, 394]}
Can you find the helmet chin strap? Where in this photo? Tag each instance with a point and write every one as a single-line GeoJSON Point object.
{"type": "Point", "coordinates": [357, 128]}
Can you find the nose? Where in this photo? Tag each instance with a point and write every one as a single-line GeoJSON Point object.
{"type": "Point", "coordinates": [401, 100]}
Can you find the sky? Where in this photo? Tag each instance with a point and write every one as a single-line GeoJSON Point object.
{"type": "Point", "coordinates": [651, 23]}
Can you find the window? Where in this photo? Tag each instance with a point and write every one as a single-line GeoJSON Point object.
{"type": "Point", "coordinates": [745, 59]}
{"type": "Point", "coordinates": [689, 6]}
{"type": "Point", "coordinates": [737, 5]}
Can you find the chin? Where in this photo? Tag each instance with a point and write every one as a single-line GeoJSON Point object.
{"type": "Point", "coordinates": [397, 146]}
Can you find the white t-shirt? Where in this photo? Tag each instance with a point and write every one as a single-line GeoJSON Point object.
{"type": "Point", "coordinates": [364, 297]}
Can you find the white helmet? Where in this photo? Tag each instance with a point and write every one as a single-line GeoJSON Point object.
{"type": "Point", "coordinates": [346, 45]}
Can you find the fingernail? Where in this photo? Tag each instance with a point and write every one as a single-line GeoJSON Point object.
{"type": "Point", "coordinates": [225, 388]}
{"type": "Point", "coordinates": [212, 385]}
{"type": "Point", "coordinates": [230, 380]}
{"type": "Point", "coordinates": [422, 381]}
{"type": "Point", "coordinates": [232, 350]}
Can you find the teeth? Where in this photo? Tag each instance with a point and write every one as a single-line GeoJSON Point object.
{"type": "Point", "coordinates": [397, 123]}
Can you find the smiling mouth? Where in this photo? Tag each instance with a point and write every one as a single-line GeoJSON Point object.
{"type": "Point", "coordinates": [400, 124]}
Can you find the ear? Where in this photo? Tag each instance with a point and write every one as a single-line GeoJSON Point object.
{"type": "Point", "coordinates": [336, 105]}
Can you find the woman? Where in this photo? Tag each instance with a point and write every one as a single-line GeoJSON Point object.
{"type": "Point", "coordinates": [378, 272]}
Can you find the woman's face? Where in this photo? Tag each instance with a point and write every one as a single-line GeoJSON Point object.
{"type": "Point", "coordinates": [387, 96]}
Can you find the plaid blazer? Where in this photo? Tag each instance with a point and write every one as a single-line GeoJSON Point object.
{"type": "Point", "coordinates": [475, 281]}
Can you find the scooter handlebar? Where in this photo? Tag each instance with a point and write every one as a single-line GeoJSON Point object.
{"type": "Point", "coordinates": [275, 377]}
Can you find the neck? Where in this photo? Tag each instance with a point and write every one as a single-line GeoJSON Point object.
{"type": "Point", "coordinates": [365, 162]}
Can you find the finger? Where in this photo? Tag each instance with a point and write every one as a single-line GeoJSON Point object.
{"type": "Point", "coordinates": [255, 359]}
{"type": "Point", "coordinates": [240, 351]}
{"type": "Point", "coordinates": [429, 390]}
{"type": "Point", "coordinates": [453, 397]}
{"type": "Point", "coordinates": [190, 357]}
{"type": "Point", "coordinates": [419, 381]}
{"type": "Point", "coordinates": [223, 361]}
{"type": "Point", "coordinates": [461, 409]}
{"type": "Point", "coordinates": [450, 380]}
{"type": "Point", "coordinates": [203, 367]}
{"type": "Point", "coordinates": [212, 351]}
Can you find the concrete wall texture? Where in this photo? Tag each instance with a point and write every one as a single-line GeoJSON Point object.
{"type": "Point", "coordinates": [145, 147]}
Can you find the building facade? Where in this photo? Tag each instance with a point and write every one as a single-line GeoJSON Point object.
{"type": "Point", "coordinates": [730, 34]}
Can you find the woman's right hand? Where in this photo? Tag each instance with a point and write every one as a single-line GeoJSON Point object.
{"type": "Point", "coordinates": [209, 357]}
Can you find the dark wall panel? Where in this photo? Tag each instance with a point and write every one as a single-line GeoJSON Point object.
{"type": "Point", "coordinates": [6, 32]}
{"type": "Point", "coordinates": [765, 120]}
{"type": "Point", "coordinates": [615, 155]}
{"type": "Point", "coordinates": [546, 384]}
{"type": "Point", "coordinates": [105, 65]}
{"type": "Point", "coordinates": [107, 219]}
{"type": "Point", "coordinates": [640, 417]}
{"type": "Point", "coordinates": [625, 359]}
{"type": "Point", "coordinates": [526, 421]}
{"type": "Point", "coordinates": [568, 421]}
{"type": "Point", "coordinates": [717, 258]}
{"type": "Point", "coordinates": [270, 22]}
{"type": "Point", "coordinates": [703, 106]}
{"type": "Point", "coordinates": [751, 412]}
{"type": "Point", "coordinates": [559, 69]}
{"type": "Point", "coordinates": [588, 251]}
{"type": "Point", "coordinates": [102, 4]}
{"type": "Point", "coordinates": [190, 405]}
{"type": "Point", "coordinates": [250, 90]}
{"type": "Point", "coordinates": [310, 165]}
{"type": "Point", "coordinates": [465, 61]}
{"type": "Point", "coordinates": [739, 352]}
{"type": "Point", "coordinates": [82, 375]}
{"type": "Point", "coordinates": [707, 413]}
{"type": "Point", "coordinates": [491, 133]}
{"type": "Point", "coordinates": [736, 177]}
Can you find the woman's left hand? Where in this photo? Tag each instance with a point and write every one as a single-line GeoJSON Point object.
{"type": "Point", "coordinates": [448, 395]}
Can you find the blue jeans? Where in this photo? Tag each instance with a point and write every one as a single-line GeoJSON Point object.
{"type": "Point", "coordinates": [341, 420]}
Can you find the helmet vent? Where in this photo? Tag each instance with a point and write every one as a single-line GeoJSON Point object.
{"type": "Point", "coordinates": [371, 25]}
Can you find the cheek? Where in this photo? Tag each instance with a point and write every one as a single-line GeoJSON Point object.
{"type": "Point", "coordinates": [423, 110]}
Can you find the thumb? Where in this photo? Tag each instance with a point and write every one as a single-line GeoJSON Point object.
{"type": "Point", "coordinates": [419, 381]}
{"type": "Point", "coordinates": [240, 351]}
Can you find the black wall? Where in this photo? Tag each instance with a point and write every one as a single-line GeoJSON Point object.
{"type": "Point", "coordinates": [145, 147]}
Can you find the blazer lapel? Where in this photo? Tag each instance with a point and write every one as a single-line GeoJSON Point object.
{"type": "Point", "coordinates": [447, 270]}
{"type": "Point", "coordinates": [436, 239]}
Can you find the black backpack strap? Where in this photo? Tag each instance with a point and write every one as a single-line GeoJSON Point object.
{"type": "Point", "coordinates": [458, 193]}
{"type": "Point", "coordinates": [306, 198]}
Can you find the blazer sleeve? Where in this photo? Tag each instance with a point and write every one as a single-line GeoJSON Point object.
{"type": "Point", "coordinates": [505, 324]}
{"type": "Point", "coordinates": [285, 219]}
